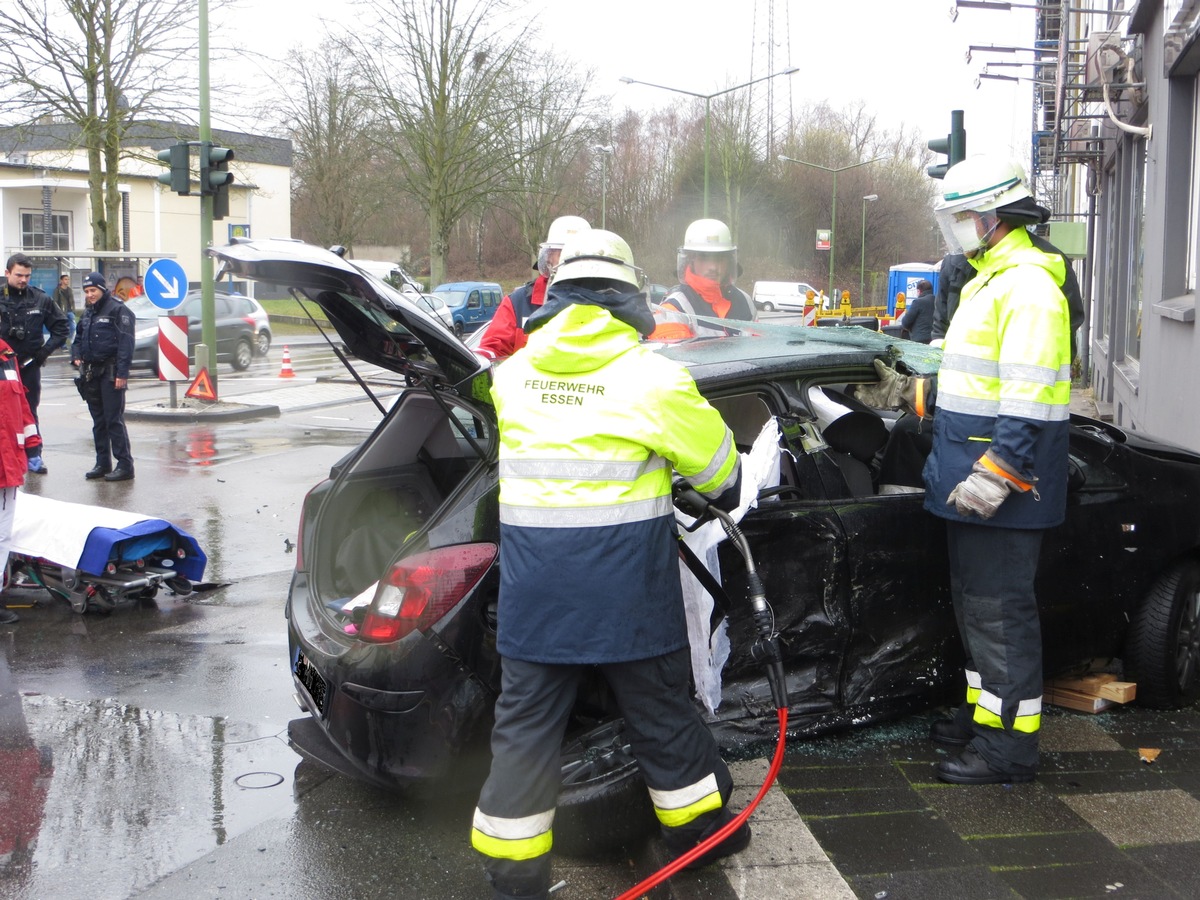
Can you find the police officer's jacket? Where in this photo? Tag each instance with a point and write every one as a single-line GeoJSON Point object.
{"type": "Point", "coordinates": [105, 334]}
{"type": "Point", "coordinates": [25, 313]}
{"type": "Point", "coordinates": [1005, 383]}
{"type": "Point", "coordinates": [591, 422]}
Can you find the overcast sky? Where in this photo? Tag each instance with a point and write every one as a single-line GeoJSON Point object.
{"type": "Point", "coordinates": [904, 58]}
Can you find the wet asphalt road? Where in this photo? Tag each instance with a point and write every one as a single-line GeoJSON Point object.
{"type": "Point", "coordinates": [145, 751]}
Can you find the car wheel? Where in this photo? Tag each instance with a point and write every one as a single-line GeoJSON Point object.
{"type": "Point", "coordinates": [243, 353]}
{"type": "Point", "coordinates": [603, 801]}
{"type": "Point", "coordinates": [262, 342]}
{"type": "Point", "coordinates": [459, 331]}
{"type": "Point", "coordinates": [769, 307]}
{"type": "Point", "coordinates": [1162, 651]}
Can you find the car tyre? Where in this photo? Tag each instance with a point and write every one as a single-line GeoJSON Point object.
{"type": "Point", "coordinates": [262, 343]}
{"type": "Point", "coordinates": [603, 801]}
{"type": "Point", "coordinates": [459, 331]}
{"type": "Point", "coordinates": [1162, 651]}
{"type": "Point", "coordinates": [243, 354]}
{"type": "Point", "coordinates": [769, 307]}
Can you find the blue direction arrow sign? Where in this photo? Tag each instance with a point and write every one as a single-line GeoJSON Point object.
{"type": "Point", "coordinates": [165, 283]}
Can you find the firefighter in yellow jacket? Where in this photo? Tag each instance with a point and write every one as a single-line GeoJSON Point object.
{"type": "Point", "coordinates": [998, 469]}
{"type": "Point", "coordinates": [591, 424]}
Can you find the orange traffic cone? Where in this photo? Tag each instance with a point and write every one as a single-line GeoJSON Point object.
{"type": "Point", "coordinates": [286, 370]}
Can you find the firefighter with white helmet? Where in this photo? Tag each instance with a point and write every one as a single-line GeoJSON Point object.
{"type": "Point", "coordinates": [504, 335]}
{"type": "Point", "coordinates": [707, 266]}
{"type": "Point", "coordinates": [998, 469]}
{"type": "Point", "coordinates": [592, 421]}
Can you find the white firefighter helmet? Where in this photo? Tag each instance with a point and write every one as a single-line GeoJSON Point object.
{"type": "Point", "coordinates": [979, 184]}
{"type": "Point", "coordinates": [561, 229]}
{"type": "Point", "coordinates": [707, 236]}
{"type": "Point", "coordinates": [596, 253]}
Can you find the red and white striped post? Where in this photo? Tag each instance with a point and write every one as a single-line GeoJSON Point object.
{"type": "Point", "coordinates": [173, 351]}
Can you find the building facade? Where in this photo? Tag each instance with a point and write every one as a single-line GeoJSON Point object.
{"type": "Point", "coordinates": [45, 202]}
{"type": "Point", "coordinates": [1116, 147]}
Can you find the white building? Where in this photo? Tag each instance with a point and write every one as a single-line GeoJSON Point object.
{"type": "Point", "coordinates": [45, 202]}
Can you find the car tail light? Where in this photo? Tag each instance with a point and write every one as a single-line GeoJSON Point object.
{"type": "Point", "coordinates": [249, 320]}
{"type": "Point", "coordinates": [420, 589]}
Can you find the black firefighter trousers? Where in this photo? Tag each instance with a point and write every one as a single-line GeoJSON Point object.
{"type": "Point", "coordinates": [992, 573]}
{"type": "Point", "coordinates": [673, 747]}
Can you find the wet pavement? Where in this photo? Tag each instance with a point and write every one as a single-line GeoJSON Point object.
{"type": "Point", "coordinates": [144, 754]}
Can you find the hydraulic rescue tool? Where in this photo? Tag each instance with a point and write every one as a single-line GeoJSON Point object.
{"type": "Point", "coordinates": [765, 651]}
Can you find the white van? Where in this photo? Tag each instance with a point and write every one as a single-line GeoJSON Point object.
{"type": "Point", "coordinates": [786, 295]}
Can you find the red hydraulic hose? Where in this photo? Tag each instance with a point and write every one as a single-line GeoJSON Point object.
{"type": "Point", "coordinates": [640, 889]}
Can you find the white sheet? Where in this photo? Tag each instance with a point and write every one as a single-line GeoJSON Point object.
{"type": "Point", "coordinates": [57, 530]}
{"type": "Point", "coordinates": [760, 469]}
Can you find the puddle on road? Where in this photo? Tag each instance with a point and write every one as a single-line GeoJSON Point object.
{"type": "Point", "coordinates": [114, 797]}
{"type": "Point", "coordinates": [205, 445]}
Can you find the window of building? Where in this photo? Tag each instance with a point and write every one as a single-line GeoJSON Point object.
{"type": "Point", "coordinates": [1135, 261]}
{"type": "Point", "coordinates": [32, 236]}
{"type": "Point", "coordinates": [1193, 224]}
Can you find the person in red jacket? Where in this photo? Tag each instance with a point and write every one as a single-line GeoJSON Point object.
{"type": "Point", "coordinates": [18, 432]}
{"type": "Point", "coordinates": [506, 332]}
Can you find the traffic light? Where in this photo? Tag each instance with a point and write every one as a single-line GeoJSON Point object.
{"type": "Point", "coordinates": [954, 145]}
{"type": "Point", "coordinates": [215, 177]}
{"type": "Point", "coordinates": [179, 178]}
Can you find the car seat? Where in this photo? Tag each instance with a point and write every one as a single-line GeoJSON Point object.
{"type": "Point", "coordinates": [853, 433]}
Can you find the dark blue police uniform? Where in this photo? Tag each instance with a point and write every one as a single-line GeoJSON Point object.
{"type": "Point", "coordinates": [103, 350]}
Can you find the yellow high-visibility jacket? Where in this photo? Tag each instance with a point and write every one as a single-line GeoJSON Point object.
{"type": "Point", "coordinates": [591, 424]}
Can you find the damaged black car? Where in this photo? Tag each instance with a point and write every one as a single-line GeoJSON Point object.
{"type": "Point", "coordinates": [391, 614]}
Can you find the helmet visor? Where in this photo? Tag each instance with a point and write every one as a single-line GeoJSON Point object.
{"type": "Point", "coordinates": [966, 231]}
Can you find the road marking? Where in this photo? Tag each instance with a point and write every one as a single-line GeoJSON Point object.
{"type": "Point", "coordinates": [783, 859]}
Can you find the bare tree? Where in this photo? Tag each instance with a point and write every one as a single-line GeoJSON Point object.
{"type": "Point", "coordinates": [336, 177]}
{"type": "Point", "coordinates": [438, 72]}
{"type": "Point", "coordinates": [547, 142]}
{"type": "Point", "coordinates": [98, 66]}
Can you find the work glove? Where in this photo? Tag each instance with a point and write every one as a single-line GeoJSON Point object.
{"type": "Point", "coordinates": [989, 484]}
{"type": "Point", "coordinates": [39, 358]}
{"type": "Point", "coordinates": [894, 390]}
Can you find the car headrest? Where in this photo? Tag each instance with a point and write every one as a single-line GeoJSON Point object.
{"type": "Point", "coordinates": [846, 425]}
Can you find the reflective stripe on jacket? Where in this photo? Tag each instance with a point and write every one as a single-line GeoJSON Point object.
{"type": "Point", "coordinates": [1005, 383]}
{"type": "Point", "coordinates": [591, 423]}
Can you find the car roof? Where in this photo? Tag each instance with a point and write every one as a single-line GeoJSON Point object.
{"type": "Point", "coordinates": [466, 285]}
{"type": "Point", "coordinates": [757, 350]}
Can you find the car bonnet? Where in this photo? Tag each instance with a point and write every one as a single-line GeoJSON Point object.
{"type": "Point", "coordinates": [377, 323]}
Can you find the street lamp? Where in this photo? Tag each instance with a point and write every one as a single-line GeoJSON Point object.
{"type": "Point", "coordinates": [833, 214]}
{"type": "Point", "coordinates": [862, 265]}
{"type": "Point", "coordinates": [605, 151]}
{"type": "Point", "coordinates": [707, 98]}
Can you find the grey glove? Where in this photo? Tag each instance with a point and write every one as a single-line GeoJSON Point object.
{"type": "Point", "coordinates": [989, 484]}
{"type": "Point", "coordinates": [892, 392]}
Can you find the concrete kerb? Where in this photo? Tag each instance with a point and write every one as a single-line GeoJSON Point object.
{"type": "Point", "coordinates": [195, 411]}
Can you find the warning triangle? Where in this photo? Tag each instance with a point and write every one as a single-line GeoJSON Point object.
{"type": "Point", "coordinates": [202, 387]}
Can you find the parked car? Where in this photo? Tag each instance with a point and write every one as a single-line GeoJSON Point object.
{"type": "Point", "coordinates": [791, 296]}
{"type": "Point", "coordinates": [438, 306]}
{"type": "Point", "coordinates": [391, 614]}
{"type": "Point", "coordinates": [240, 331]}
{"type": "Point", "coordinates": [391, 272]}
{"type": "Point", "coordinates": [471, 303]}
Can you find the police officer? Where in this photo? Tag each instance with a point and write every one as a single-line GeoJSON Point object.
{"type": "Point", "coordinates": [998, 469]}
{"type": "Point", "coordinates": [24, 310]}
{"type": "Point", "coordinates": [707, 266]}
{"type": "Point", "coordinates": [591, 424]}
{"type": "Point", "coordinates": [102, 351]}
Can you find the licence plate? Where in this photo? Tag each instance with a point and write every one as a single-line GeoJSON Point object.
{"type": "Point", "coordinates": [312, 681]}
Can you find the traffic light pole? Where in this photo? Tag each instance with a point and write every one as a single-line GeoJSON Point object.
{"type": "Point", "coordinates": [206, 353]}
